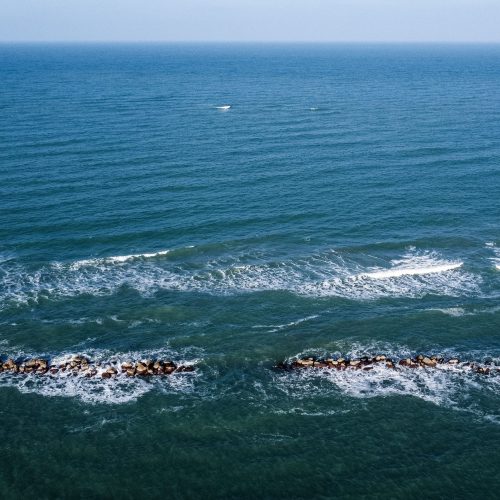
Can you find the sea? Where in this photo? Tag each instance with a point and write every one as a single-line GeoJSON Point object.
{"type": "Point", "coordinates": [232, 206]}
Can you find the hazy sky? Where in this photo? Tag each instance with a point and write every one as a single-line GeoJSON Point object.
{"type": "Point", "coordinates": [250, 20]}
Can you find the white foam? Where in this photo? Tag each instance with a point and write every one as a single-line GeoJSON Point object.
{"type": "Point", "coordinates": [495, 260]}
{"type": "Point", "coordinates": [223, 108]}
{"type": "Point", "coordinates": [449, 386]}
{"type": "Point", "coordinates": [275, 328]}
{"type": "Point", "coordinates": [460, 311]}
{"type": "Point", "coordinates": [329, 273]}
{"type": "Point", "coordinates": [455, 312]}
{"type": "Point", "coordinates": [115, 259]}
{"type": "Point", "coordinates": [118, 390]}
{"type": "Point", "coordinates": [415, 271]}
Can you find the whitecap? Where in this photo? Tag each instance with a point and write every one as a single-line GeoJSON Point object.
{"type": "Point", "coordinates": [410, 271]}
{"type": "Point", "coordinates": [114, 259]}
{"type": "Point", "coordinates": [326, 274]}
{"type": "Point", "coordinates": [496, 259]}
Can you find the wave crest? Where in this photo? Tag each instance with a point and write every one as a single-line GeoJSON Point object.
{"type": "Point", "coordinates": [328, 274]}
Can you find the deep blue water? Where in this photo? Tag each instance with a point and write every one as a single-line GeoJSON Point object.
{"type": "Point", "coordinates": [348, 202]}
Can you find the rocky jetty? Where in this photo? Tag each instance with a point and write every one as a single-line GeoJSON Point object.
{"type": "Point", "coordinates": [82, 366]}
{"type": "Point", "coordinates": [367, 363]}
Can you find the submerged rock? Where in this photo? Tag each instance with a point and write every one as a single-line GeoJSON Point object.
{"type": "Point", "coordinates": [185, 368]}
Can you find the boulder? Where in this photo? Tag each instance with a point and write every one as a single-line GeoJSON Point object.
{"type": "Point", "coordinates": [483, 370]}
{"type": "Point", "coordinates": [9, 364]}
{"type": "Point", "coordinates": [305, 362]}
{"type": "Point", "coordinates": [141, 369]}
{"type": "Point", "coordinates": [431, 363]}
{"type": "Point", "coordinates": [127, 365]}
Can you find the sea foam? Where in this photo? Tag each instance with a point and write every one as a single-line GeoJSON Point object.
{"type": "Point", "coordinates": [412, 271]}
{"type": "Point", "coordinates": [330, 273]}
{"type": "Point", "coordinates": [118, 390]}
{"type": "Point", "coordinates": [116, 259]}
{"type": "Point", "coordinates": [447, 386]}
{"type": "Point", "coordinates": [496, 259]}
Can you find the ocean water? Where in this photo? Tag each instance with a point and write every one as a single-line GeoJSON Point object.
{"type": "Point", "coordinates": [348, 203]}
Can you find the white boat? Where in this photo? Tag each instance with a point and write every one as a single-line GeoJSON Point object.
{"type": "Point", "coordinates": [223, 108]}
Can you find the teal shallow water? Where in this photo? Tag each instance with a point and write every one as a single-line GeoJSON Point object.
{"type": "Point", "coordinates": [347, 203]}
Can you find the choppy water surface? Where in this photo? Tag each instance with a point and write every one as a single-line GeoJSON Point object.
{"type": "Point", "coordinates": [347, 202]}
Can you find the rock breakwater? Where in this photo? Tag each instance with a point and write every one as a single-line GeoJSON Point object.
{"type": "Point", "coordinates": [82, 366]}
{"type": "Point", "coordinates": [367, 363]}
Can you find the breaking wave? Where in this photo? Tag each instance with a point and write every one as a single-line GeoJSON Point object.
{"type": "Point", "coordinates": [116, 259]}
{"type": "Point", "coordinates": [496, 250]}
{"type": "Point", "coordinates": [118, 390]}
{"type": "Point", "coordinates": [445, 385]}
{"type": "Point", "coordinates": [327, 274]}
{"type": "Point", "coordinates": [412, 271]}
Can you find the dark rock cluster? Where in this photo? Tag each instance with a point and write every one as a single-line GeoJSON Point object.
{"type": "Point", "coordinates": [367, 363]}
{"type": "Point", "coordinates": [80, 365]}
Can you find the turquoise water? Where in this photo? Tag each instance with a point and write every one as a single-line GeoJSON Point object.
{"type": "Point", "coordinates": [347, 203]}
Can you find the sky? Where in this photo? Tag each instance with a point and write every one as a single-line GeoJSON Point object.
{"type": "Point", "coordinates": [251, 20]}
